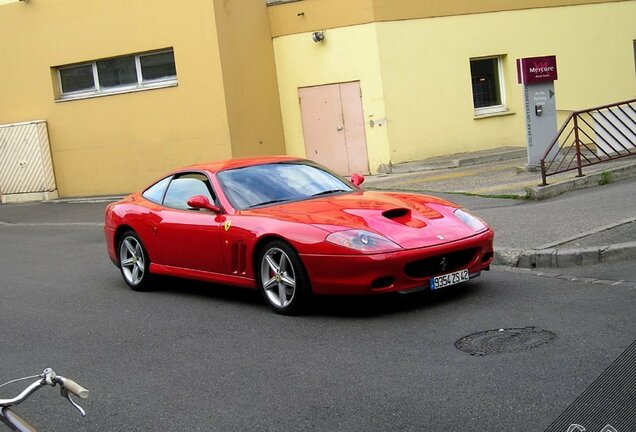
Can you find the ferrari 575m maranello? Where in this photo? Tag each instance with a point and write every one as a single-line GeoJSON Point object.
{"type": "Point", "coordinates": [292, 229]}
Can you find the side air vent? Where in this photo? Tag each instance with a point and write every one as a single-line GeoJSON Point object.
{"type": "Point", "coordinates": [239, 252]}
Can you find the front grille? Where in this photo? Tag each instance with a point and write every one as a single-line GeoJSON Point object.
{"type": "Point", "coordinates": [444, 263]}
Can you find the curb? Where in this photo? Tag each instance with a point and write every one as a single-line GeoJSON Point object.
{"type": "Point", "coordinates": [497, 157]}
{"type": "Point", "coordinates": [86, 200]}
{"type": "Point", "coordinates": [587, 181]}
{"type": "Point", "coordinates": [569, 278]}
{"type": "Point", "coordinates": [460, 161]}
{"type": "Point", "coordinates": [558, 258]}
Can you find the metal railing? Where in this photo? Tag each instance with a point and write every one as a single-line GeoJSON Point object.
{"type": "Point", "coordinates": [592, 136]}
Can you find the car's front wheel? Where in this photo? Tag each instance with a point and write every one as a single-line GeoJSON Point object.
{"type": "Point", "coordinates": [133, 261]}
{"type": "Point", "coordinates": [282, 278]}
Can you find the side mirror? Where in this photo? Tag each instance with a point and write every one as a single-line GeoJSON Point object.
{"type": "Point", "coordinates": [357, 179]}
{"type": "Point", "coordinates": [202, 202]}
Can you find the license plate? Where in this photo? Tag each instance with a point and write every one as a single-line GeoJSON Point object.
{"type": "Point", "coordinates": [449, 279]}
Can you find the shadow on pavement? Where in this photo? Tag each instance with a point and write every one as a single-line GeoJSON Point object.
{"type": "Point", "coordinates": [332, 306]}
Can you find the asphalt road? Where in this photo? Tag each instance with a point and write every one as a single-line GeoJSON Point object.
{"type": "Point", "coordinates": [198, 357]}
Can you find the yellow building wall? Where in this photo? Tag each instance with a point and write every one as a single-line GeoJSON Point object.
{"type": "Point", "coordinates": [428, 96]}
{"type": "Point", "coordinates": [249, 75]}
{"type": "Point", "coordinates": [310, 15]}
{"type": "Point", "coordinates": [416, 73]}
{"type": "Point", "coordinates": [115, 143]}
{"type": "Point", "coordinates": [346, 54]}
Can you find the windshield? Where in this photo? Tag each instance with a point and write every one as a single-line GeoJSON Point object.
{"type": "Point", "coordinates": [258, 185]}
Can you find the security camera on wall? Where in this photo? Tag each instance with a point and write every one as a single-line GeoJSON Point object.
{"type": "Point", "coordinates": [318, 36]}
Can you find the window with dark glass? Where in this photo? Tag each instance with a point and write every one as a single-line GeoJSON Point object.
{"type": "Point", "coordinates": [486, 83]}
{"type": "Point", "coordinates": [158, 66]}
{"type": "Point", "coordinates": [184, 187]}
{"type": "Point", "coordinates": [117, 71]}
{"type": "Point", "coordinates": [76, 79]}
{"type": "Point", "coordinates": [124, 73]}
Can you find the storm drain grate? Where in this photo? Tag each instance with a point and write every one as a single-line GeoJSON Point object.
{"type": "Point", "coordinates": [505, 341]}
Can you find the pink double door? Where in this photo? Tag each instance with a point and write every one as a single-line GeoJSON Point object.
{"type": "Point", "coordinates": [333, 127]}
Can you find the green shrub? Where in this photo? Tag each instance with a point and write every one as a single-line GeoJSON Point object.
{"type": "Point", "coordinates": [606, 178]}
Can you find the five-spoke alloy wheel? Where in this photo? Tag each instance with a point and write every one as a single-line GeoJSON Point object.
{"type": "Point", "coordinates": [282, 279]}
{"type": "Point", "coordinates": [133, 261]}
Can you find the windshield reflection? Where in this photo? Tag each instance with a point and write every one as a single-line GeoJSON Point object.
{"type": "Point", "coordinates": [260, 185]}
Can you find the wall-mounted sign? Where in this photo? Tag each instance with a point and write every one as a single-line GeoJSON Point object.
{"type": "Point", "coordinates": [536, 69]}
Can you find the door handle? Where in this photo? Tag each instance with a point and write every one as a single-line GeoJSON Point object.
{"type": "Point", "coordinates": [340, 128]}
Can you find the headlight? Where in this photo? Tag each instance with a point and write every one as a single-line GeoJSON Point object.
{"type": "Point", "coordinates": [363, 241]}
{"type": "Point", "coordinates": [470, 220]}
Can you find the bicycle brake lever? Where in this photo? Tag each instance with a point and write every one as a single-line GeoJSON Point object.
{"type": "Point", "coordinates": [66, 394]}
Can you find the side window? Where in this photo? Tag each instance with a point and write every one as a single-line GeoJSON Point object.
{"type": "Point", "coordinates": [184, 187]}
{"type": "Point", "coordinates": [124, 73]}
{"type": "Point", "coordinates": [155, 192]}
{"type": "Point", "coordinates": [488, 87]}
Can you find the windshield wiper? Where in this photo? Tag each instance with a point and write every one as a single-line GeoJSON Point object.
{"type": "Point", "coordinates": [268, 202]}
{"type": "Point", "coordinates": [329, 192]}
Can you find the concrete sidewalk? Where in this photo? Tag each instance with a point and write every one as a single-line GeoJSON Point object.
{"type": "Point", "coordinates": [534, 226]}
{"type": "Point", "coordinates": [495, 173]}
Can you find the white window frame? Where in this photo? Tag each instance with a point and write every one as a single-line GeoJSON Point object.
{"type": "Point", "coordinates": [78, 92]}
{"type": "Point", "coordinates": [493, 109]}
{"type": "Point", "coordinates": [97, 90]}
{"type": "Point", "coordinates": [150, 82]}
{"type": "Point", "coordinates": [275, 2]}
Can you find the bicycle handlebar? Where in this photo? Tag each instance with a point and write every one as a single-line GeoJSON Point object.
{"type": "Point", "coordinates": [22, 396]}
{"type": "Point", "coordinates": [73, 387]}
{"type": "Point", "coordinates": [48, 377]}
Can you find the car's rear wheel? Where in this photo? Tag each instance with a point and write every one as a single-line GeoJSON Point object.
{"type": "Point", "coordinates": [282, 278]}
{"type": "Point", "coordinates": [133, 261]}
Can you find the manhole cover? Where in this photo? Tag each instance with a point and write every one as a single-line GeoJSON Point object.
{"type": "Point", "coordinates": [505, 340]}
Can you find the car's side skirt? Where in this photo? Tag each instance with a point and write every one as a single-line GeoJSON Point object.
{"type": "Point", "coordinates": [202, 275]}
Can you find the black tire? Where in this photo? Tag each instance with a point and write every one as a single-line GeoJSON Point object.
{"type": "Point", "coordinates": [134, 262]}
{"type": "Point", "coordinates": [282, 278]}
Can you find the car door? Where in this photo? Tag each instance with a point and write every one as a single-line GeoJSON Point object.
{"type": "Point", "coordinates": [188, 238]}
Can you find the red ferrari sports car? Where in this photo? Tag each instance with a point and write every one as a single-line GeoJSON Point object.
{"type": "Point", "coordinates": [291, 228]}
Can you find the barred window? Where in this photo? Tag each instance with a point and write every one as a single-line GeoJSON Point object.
{"type": "Point", "coordinates": [487, 83]}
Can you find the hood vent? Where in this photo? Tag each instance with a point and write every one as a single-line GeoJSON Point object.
{"type": "Point", "coordinates": [396, 213]}
{"type": "Point", "coordinates": [403, 216]}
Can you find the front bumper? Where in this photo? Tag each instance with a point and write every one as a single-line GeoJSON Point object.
{"type": "Point", "coordinates": [395, 271]}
